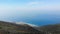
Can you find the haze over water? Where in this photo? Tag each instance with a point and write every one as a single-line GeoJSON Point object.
{"type": "Point", "coordinates": [38, 12]}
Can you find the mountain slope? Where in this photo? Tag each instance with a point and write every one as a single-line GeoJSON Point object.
{"type": "Point", "coordinates": [51, 29]}
{"type": "Point", "coordinates": [12, 28]}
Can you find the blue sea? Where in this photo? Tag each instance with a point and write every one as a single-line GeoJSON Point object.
{"type": "Point", "coordinates": [39, 18]}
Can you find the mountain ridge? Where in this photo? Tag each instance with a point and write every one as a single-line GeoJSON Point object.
{"type": "Point", "coordinates": [13, 28]}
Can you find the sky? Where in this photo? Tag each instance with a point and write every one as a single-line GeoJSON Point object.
{"type": "Point", "coordinates": [39, 12]}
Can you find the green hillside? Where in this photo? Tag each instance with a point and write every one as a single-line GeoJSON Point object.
{"type": "Point", "coordinates": [51, 29]}
{"type": "Point", "coordinates": [12, 28]}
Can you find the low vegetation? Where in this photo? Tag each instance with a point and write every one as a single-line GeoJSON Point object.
{"type": "Point", "coordinates": [12, 28]}
{"type": "Point", "coordinates": [51, 29]}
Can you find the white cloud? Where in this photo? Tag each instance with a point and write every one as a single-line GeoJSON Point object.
{"type": "Point", "coordinates": [41, 8]}
{"type": "Point", "coordinates": [28, 7]}
{"type": "Point", "coordinates": [36, 3]}
{"type": "Point", "coordinates": [33, 3]}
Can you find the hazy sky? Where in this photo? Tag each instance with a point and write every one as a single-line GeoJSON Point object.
{"type": "Point", "coordinates": [29, 10]}
{"type": "Point", "coordinates": [29, 5]}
